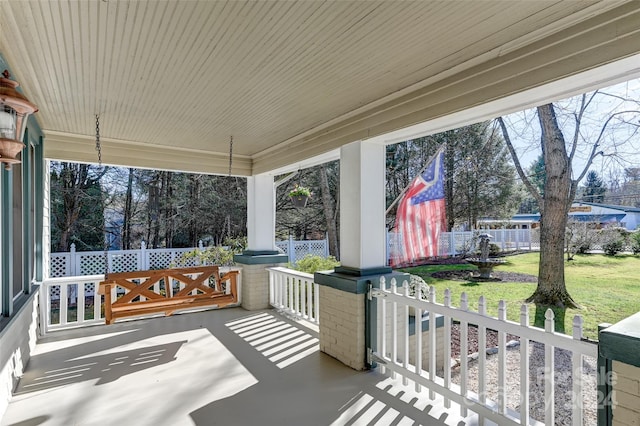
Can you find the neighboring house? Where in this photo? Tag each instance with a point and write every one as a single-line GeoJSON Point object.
{"type": "Point", "coordinates": [598, 214]}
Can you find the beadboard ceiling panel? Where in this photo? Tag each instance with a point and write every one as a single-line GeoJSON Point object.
{"type": "Point", "coordinates": [188, 74]}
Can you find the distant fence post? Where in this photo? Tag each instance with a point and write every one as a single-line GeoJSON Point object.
{"type": "Point", "coordinates": [326, 244]}
{"type": "Point", "coordinates": [291, 251]}
{"type": "Point", "coordinates": [72, 260]}
{"type": "Point", "coordinates": [452, 243]}
{"type": "Point", "coordinates": [143, 256]}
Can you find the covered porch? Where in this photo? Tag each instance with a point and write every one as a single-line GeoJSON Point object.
{"type": "Point", "coordinates": [296, 84]}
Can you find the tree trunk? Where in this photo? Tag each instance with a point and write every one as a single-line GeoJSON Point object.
{"type": "Point", "coordinates": [168, 212]}
{"type": "Point", "coordinates": [327, 206]}
{"type": "Point", "coordinates": [194, 195]}
{"type": "Point", "coordinates": [551, 288]}
{"type": "Point", "coordinates": [449, 158]}
{"type": "Point", "coordinates": [128, 213]}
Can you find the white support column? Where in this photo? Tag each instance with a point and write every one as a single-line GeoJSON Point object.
{"type": "Point", "coordinates": [362, 205]}
{"type": "Point", "coordinates": [261, 213]}
{"type": "Point", "coordinates": [262, 252]}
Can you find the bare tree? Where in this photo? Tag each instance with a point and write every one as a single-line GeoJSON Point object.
{"type": "Point", "coordinates": [561, 184]}
{"type": "Point", "coordinates": [329, 211]}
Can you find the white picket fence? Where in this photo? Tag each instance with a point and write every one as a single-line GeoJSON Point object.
{"type": "Point", "coordinates": [294, 293]}
{"type": "Point", "coordinates": [463, 242]}
{"type": "Point", "coordinates": [80, 263]}
{"type": "Point", "coordinates": [72, 302]}
{"type": "Point", "coordinates": [396, 357]}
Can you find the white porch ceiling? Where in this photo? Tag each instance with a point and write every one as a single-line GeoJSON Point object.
{"type": "Point", "coordinates": [172, 80]}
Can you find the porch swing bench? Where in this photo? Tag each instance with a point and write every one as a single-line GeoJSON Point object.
{"type": "Point", "coordinates": [167, 291]}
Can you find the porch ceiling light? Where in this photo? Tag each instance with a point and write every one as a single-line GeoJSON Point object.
{"type": "Point", "coordinates": [15, 109]}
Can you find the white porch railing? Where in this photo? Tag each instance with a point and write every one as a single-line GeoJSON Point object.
{"type": "Point", "coordinates": [69, 302]}
{"type": "Point", "coordinates": [393, 354]}
{"type": "Point", "coordinates": [72, 302]}
{"type": "Point", "coordinates": [295, 293]}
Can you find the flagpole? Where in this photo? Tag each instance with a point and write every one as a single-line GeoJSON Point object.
{"type": "Point", "coordinates": [404, 191]}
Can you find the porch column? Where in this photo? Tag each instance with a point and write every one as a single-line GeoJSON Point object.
{"type": "Point", "coordinates": [261, 253]}
{"type": "Point", "coordinates": [362, 206]}
{"type": "Point", "coordinates": [343, 309]}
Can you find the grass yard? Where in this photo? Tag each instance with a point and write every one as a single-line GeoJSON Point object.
{"type": "Point", "coordinates": [607, 288]}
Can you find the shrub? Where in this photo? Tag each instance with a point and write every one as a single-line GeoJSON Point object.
{"type": "Point", "coordinates": [313, 263]}
{"type": "Point", "coordinates": [614, 240]}
{"type": "Point", "coordinates": [613, 247]}
{"type": "Point", "coordinates": [634, 239]}
{"type": "Point", "coordinates": [215, 255]}
{"type": "Point", "coordinates": [418, 283]}
{"type": "Point", "coordinates": [494, 249]}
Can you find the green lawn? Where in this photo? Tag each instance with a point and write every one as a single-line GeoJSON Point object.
{"type": "Point", "coordinates": [607, 288]}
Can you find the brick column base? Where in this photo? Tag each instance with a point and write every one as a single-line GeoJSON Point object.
{"type": "Point", "coordinates": [344, 332]}
{"type": "Point", "coordinates": [342, 326]}
{"type": "Point", "coordinates": [255, 277]}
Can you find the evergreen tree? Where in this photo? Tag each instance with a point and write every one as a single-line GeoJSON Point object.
{"type": "Point", "coordinates": [594, 190]}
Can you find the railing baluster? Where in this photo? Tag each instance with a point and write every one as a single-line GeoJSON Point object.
{"type": "Point", "coordinates": [64, 304]}
{"type": "Point", "coordinates": [303, 302]}
{"type": "Point", "coordinates": [418, 333]}
{"type": "Point", "coordinates": [394, 327]}
{"type": "Point", "coordinates": [524, 367]}
{"type": "Point", "coordinates": [290, 284]}
{"type": "Point", "coordinates": [432, 340]}
{"type": "Point", "coordinates": [80, 303]}
{"type": "Point", "coordinates": [502, 359]}
{"type": "Point", "coordinates": [405, 331]}
{"type": "Point", "coordinates": [447, 347]}
{"type": "Point", "coordinates": [576, 364]}
{"type": "Point", "coordinates": [309, 286]}
{"type": "Point", "coordinates": [296, 299]}
{"type": "Point", "coordinates": [316, 302]}
{"type": "Point", "coordinates": [482, 355]}
{"type": "Point", "coordinates": [464, 336]}
{"type": "Point", "coordinates": [382, 323]}
{"type": "Point", "coordinates": [97, 302]}
{"type": "Point", "coordinates": [549, 367]}
{"type": "Point", "coordinates": [277, 279]}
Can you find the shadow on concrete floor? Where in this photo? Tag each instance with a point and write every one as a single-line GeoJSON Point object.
{"type": "Point", "coordinates": [221, 367]}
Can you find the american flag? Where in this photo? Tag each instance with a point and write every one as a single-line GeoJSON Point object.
{"type": "Point", "coordinates": [421, 215]}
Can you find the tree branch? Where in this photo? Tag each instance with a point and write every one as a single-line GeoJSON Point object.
{"type": "Point", "coordinates": [516, 162]}
{"type": "Point", "coordinates": [596, 144]}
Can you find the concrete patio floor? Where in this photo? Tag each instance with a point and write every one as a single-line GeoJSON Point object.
{"type": "Point", "coordinates": [220, 367]}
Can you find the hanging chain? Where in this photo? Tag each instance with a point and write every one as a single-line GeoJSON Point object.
{"type": "Point", "coordinates": [104, 231]}
{"type": "Point", "coordinates": [98, 145]}
{"type": "Point", "coordinates": [230, 154]}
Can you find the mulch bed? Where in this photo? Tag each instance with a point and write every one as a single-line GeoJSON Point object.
{"type": "Point", "coordinates": [472, 341]}
{"type": "Point", "coordinates": [469, 275]}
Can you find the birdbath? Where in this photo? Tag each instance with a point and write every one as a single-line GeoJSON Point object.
{"type": "Point", "coordinates": [485, 263]}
